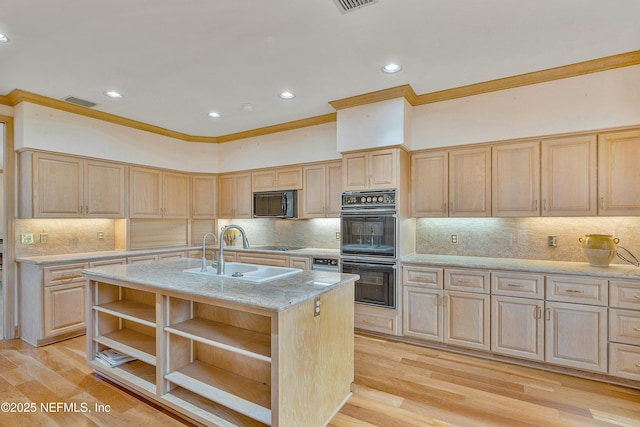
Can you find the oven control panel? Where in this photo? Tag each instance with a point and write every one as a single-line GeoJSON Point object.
{"type": "Point", "coordinates": [368, 199]}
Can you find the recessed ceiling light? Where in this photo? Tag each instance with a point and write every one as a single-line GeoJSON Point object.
{"type": "Point", "coordinates": [113, 94]}
{"type": "Point", "coordinates": [391, 68]}
{"type": "Point", "coordinates": [287, 95]}
{"type": "Point", "coordinates": [4, 39]}
{"type": "Point", "coordinates": [214, 115]}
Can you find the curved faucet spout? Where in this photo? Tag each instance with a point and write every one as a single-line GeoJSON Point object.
{"type": "Point", "coordinates": [203, 263]}
{"type": "Point", "coordinates": [245, 244]}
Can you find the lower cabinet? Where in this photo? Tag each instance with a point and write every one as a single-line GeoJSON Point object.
{"type": "Point", "coordinates": [517, 327]}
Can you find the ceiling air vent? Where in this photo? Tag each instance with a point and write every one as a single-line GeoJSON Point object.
{"type": "Point", "coordinates": [78, 101]}
{"type": "Point", "coordinates": [347, 6]}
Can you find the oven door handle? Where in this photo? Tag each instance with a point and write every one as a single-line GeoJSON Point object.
{"type": "Point", "coordinates": [364, 264]}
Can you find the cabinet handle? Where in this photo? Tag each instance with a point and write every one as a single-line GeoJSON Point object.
{"type": "Point", "coordinates": [638, 364]}
{"type": "Point", "coordinates": [445, 301]}
{"type": "Point", "coordinates": [637, 329]}
{"type": "Point", "coordinates": [451, 207]}
{"type": "Point", "coordinates": [574, 291]}
{"type": "Point", "coordinates": [544, 204]}
{"type": "Point", "coordinates": [637, 296]}
{"type": "Point", "coordinates": [536, 208]}
{"type": "Point", "coordinates": [602, 203]}
{"type": "Point", "coordinates": [438, 300]}
{"type": "Point", "coordinates": [548, 314]}
{"type": "Point", "coordinates": [462, 282]}
{"type": "Point", "coordinates": [537, 313]}
{"type": "Point", "coordinates": [514, 285]}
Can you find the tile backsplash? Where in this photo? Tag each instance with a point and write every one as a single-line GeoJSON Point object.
{"type": "Point", "coordinates": [522, 237]}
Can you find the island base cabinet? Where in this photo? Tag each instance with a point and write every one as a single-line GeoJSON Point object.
{"type": "Point", "coordinates": [222, 363]}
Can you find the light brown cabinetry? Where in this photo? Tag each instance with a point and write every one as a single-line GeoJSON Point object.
{"type": "Point", "coordinates": [59, 186]}
{"type": "Point", "coordinates": [568, 176]}
{"type": "Point", "coordinates": [470, 182]}
{"type": "Point", "coordinates": [576, 333]}
{"type": "Point", "coordinates": [155, 193]}
{"type": "Point", "coordinates": [322, 185]}
{"type": "Point", "coordinates": [618, 173]}
{"type": "Point", "coordinates": [517, 322]}
{"type": "Point", "coordinates": [235, 196]}
{"type": "Point", "coordinates": [204, 191]}
{"type": "Point", "coordinates": [373, 170]}
{"type": "Point", "coordinates": [515, 179]}
{"type": "Point", "coordinates": [262, 259]}
{"type": "Point", "coordinates": [624, 329]}
{"type": "Point", "coordinates": [430, 184]}
{"type": "Point", "coordinates": [281, 178]}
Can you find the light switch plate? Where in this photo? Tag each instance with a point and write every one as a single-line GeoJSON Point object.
{"type": "Point", "coordinates": [26, 239]}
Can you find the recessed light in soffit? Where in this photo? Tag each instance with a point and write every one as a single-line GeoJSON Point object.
{"type": "Point", "coordinates": [4, 38]}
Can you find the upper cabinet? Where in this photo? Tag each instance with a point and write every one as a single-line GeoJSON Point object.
{"type": "Point", "coordinates": [619, 173]}
{"type": "Point", "coordinates": [285, 178]}
{"type": "Point", "coordinates": [322, 190]}
{"type": "Point", "coordinates": [234, 195]}
{"type": "Point", "coordinates": [371, 170]}
{"type": "Point", "coordinates": [470, 182]}
{"type": "Point", "coordinates": [430, 184]}
{"type": "Point", "coordinates": [204, 190]}
{"type": "Point", "coordinates": [155, 193]}
{"type": "Point", "coordinates": [515, 179]}
{"type": "Point", "coordinates": [59, 186]}
{"type": "Point", "coordinates": [568, 176]}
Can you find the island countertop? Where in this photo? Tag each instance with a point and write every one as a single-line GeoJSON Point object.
{"type": "Point", "coordinates": [276, 295]}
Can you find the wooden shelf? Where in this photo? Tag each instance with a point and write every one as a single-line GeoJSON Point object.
{"type": "Point", "coordinates": [136, 372]}
{"type": "Point", "coordinates": [133, 343]}
{"type": "Point", "coordinates": [249, 343]}
{"type": "Point", "coordinates": [231, 390]}
{"type": "Point", "coordinates": [130, 310]}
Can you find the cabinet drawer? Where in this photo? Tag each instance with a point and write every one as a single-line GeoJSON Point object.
{"type": "Point", "coordinates": [62, 274]}
{"type": "Point", "coordinates": [624, 326]}
{"type": "Point", "coordinates": [517, 284]}
{"type": "Point", "coordinates": [375, 320]}
{"type": "Point", "coordinates": [466, 280]}
{"type": "Point", "coordinates": [624, 294]}
{"type": "Point", "coordinates": [272, 260]}
{"type": "Point", "coordinates": [426, 277]}
{"type": "Point", "coordinates": [577, 289]}
{"type": "Point", "coordinates": [624, 361]}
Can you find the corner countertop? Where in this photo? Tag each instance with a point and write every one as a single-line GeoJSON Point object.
{"type": "Point", "coordinates": [275, 295]}
{"type": "Point", "coordinates": [626, 271]}
{"type": "Point", "coordinates": [103, 255]}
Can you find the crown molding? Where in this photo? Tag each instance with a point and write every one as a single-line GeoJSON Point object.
{"type": "Point", "coordinates": [405, 91]}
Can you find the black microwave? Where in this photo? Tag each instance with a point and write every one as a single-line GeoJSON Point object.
{"type": "Point", "coordinates": [275, 204]}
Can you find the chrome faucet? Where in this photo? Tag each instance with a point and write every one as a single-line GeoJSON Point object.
{"type": "Point", "coordinates": [203, 263]}
{"type": "Point", "coordinates": [245, 244]}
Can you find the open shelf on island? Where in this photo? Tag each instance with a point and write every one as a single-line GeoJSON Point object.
{"type": "Point", "coordinates": [130, 310]}
{"type": "Point", "coordinates": [131, 342]}
{"type": "Point", "coordinates": [238, 340]}
{"type": "Point", "coordinates": [210, 411]}
{"type": "Point", "coordinates": [136, 372]}
{"type": "Point", "coordinates": [241, 394]}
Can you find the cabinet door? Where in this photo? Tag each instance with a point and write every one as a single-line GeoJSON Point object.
{"type": "Point", "coordinates": [568, 178]}
{"type": "Point", "coordinates": [334, 190]}
{"type": "Point", "coordinates": [176, 195]}
{"type": "Point", "coordinates": [263, 180]}
{"type": "Point", "coordinates": [517, 327]}
{"type": "Point", "coordinates": [314, 194]}
{"type": "Point", "coordinates": [244, 196]}
{"type": "Point", "coordinates": [302, 262]}
{"type": "Point", "coordinates": [422, 313]}
{"type": "Point", "coordinates": [466, 321]}
{"type": "Point", "coordinates": [64, 308]}
{"type": "Point", "coordinates": [470, 182]}
{"type": "Point", "coordinates": [618, 173]}
{"type": "Point", "coordinates": [58, 186]}
{"type": "Point", "coordinates": [382, 169]}
{"type": "Point", "coordinates": [430, 184]}
{"type": "Point", "coordinates": [203, 196]}
{"type": "Point", "coordinates": [515, 179]}
{"type": "Point", "coordinates": [355, 171]}
{"type": "Point", "coordinates": [145, 194]}
{"type": "Point", "coordinates": [289, 178]}
{"type": "Point", "coordinates": [576, 336]}
{"type": "Point", "coordinates": [104, 189]}
{"type": "Point", "coordinates": [226, 196]}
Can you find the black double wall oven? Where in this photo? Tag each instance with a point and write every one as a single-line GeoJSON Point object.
{"type": "Point", "coordinates": [368, 245]}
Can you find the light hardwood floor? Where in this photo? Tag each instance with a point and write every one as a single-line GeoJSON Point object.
{"type": "Point", "coordinates": [396, 384]}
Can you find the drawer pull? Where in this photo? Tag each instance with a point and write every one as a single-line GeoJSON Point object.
{"type": "Point", "coordinates": [637, 328]}
{"type": "Point", "coordinates": [514, 285]}
{"type": "Point", "coordinates": [637, 296]}
{"type": "Point", "coordinates": [463, 282]}
{"type": "Point", "coordinates": [638, 364]}
{"type": "Point", "coordinates": [574, 291]}
{"type": "Point", "coordinates": [66, 278]}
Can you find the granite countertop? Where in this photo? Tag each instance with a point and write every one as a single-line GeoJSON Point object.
{"type": "Point", "coordinates": [527, 265]}
{"type": "Point", "coordinates": [92, 256]}
{"type": "Point", "coordinates": [275, 295]}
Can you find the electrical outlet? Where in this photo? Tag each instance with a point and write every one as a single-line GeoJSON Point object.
{"type": "Point", "coordinates": [100, 235]}
{"type": "Point", "coordinates": [552, 241]}
{"type": "Point", "coordinates": [454, 239]}
{"type": "Point", "coordinates": [316, 306]}
{"type": "Point", "coordinates": [26, 239]}
{"type": "Point", "coordinates": [337, 235]}
{"type": "Point", "coordinates": [44, 237]}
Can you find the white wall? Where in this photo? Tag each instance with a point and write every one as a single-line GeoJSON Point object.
{"type": "Point", "coordinates": [593, 101]}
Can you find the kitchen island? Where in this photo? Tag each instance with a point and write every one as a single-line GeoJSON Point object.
{"type": "Point", "coordinates": [223, 351]}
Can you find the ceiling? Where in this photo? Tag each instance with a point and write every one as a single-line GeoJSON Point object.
{"type": "Point", "coordinates": [176, 61]}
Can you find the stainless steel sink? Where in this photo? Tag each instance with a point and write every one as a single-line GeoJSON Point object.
{"type": "Point", "coordinates": [247, 272]}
